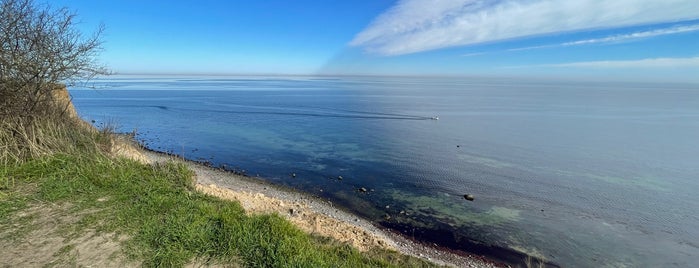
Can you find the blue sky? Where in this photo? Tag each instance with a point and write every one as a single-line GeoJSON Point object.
{"type": "Point", "coordinates": [621, 39]}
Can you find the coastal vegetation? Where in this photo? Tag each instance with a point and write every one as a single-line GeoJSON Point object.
{"type": "Point", "coordinates": [41, 49]}
{"type": "Point", "coordinates": [154, 211]}
{"type": "Point", "coordinates": [62, 187]}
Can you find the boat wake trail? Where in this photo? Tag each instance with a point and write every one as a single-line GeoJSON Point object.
{"type": "Point", "coordinates": [293, 111]}
{"type": "Point", "coordinates": [309, 111]}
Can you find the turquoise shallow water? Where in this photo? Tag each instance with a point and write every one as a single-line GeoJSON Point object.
{"type": "Point", "coordinates": [582, 174]}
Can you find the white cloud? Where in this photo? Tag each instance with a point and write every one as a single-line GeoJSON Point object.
{"type": "Point", "coordinates": [642, 63]}
{"type": "Point", "coordinates": [621, 37]}
{"type": "Point", "coordinates": [474, 54]}
{"type": "Point", "coordinates": [420, 25]}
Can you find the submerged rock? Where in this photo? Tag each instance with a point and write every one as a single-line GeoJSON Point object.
{"type": "Point", "coordinates": [469, 197]}
{"type": "Point", "coordinates": [363, 190]}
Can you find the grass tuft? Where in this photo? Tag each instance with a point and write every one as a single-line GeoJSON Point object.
{"type": "Point", "coordinates": [22, 139]}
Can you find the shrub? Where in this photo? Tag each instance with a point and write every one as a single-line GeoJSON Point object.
{"type": "Point", "coordinates": [40, 48]}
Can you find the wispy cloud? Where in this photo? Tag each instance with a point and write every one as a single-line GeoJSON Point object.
{"type": "Point", "coordinates": [691, 62]}
{"type": "Point", "coordinates": [473, 54]}
{"type": "Point", "coordinates": [620, 37]}
{"type": "Point", "coordinates": [417, 25]}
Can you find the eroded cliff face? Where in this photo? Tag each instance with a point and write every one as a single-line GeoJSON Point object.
{"type": "Point", "coordinates": [125, 146]}
{"type": "Point", "coordinates": [63, 101]}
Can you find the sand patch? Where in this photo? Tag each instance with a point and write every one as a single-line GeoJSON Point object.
{"type": "Point", "coordinates": [302, 215]}
{"type": "Point", "coordinates": [41, 242]}
{"type": "Point", "coordinates": [124, 146]}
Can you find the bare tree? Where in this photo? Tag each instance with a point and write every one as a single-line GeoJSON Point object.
{"type": "Point", "coordinates": [40, 49]}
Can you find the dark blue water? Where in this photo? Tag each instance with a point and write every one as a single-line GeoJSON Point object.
{"type": "Point", "coordinates": [581, 174]}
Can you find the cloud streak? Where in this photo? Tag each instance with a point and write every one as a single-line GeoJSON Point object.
{"type": "Point", "coordinates": [691, 62]}
{"type": "Point", "coordinates": [620, 37]}
{"type": "Point", "coordinates": [413, 26]}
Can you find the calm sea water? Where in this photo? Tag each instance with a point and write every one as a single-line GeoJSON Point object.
{"type": "Point", "coordinates": [581, 174]}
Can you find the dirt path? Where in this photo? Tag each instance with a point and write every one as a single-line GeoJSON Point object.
{"type": "Point", "coordinates": [44, 239]}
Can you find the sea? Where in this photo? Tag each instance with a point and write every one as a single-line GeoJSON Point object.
{"type": "Point", "coordinates": [571, 173]}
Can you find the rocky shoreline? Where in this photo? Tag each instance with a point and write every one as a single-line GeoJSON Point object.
{"type": "Point", "coordinates": [314, 215]}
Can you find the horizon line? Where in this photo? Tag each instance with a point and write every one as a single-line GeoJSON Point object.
{"type": "Point", "coordinates": [585, 78]}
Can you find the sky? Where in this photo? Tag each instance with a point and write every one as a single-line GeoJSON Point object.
{"type": "Point", "coordinates": [654, 40]}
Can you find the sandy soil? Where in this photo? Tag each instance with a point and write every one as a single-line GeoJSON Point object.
{"type": "Point", "coordinates": [314, 215]}
{"type": "Point", "coordinates": [46, 242]}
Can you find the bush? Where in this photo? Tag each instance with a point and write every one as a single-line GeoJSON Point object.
{"type": "Point", "coordinates": [40, 49]}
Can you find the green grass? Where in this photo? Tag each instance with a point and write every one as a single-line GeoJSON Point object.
{"type": "Point", "coordinates": [168, 223]}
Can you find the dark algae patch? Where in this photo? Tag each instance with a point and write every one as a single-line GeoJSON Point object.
{"type": "Point", "coordinates": [423, 218]}
{"type": "Point", "coordinates": [448, 238]}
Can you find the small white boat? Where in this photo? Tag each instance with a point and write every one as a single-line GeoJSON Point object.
{"type": "Point", "coordinates": [435, 118]}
